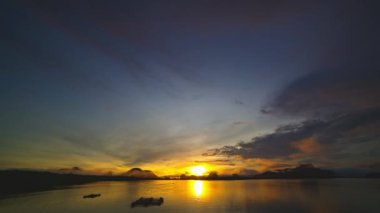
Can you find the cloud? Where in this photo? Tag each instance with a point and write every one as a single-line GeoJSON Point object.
{"type": "Point", "coordinates": [315, 140]}
{"type": "Point", "coordinates": [240, 122]}
{"type": "Point", "coordinates": [136, 152]}
{"type": "Point", "coordinates": [325, 93]}
{"type": "Point", "coordinates": [341, 113]}
{"type": "Point", "coordinates": [134, 33]}
{"type": "Point", "coordinates": [277, 144]}
{"type": "Point", "coordinates": [239, 102]}
{"type": "Point", "coordinates": [225, 162]}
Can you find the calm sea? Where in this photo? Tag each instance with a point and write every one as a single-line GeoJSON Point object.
{"type": "Point", "coordinates": [336, 195]}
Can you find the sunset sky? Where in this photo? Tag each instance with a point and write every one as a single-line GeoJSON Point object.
{"type": "Point", "coordinates": [235, 86]}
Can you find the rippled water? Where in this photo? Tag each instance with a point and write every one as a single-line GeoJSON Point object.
{"type": "Point", "coordinates": [337, 195]}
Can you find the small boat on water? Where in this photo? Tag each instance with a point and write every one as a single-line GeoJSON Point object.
{"type": "Point", "coordinates": [91, 196]}
{"type": "Point", "coordinates": [149, 201]}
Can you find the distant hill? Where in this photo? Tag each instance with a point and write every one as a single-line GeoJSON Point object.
{"type": "Point", "coordinates": [302, 171]}
{"type": "Point", "coordinates": [19, 181]}
{"type": "Point", "coordinates": [139, 173]}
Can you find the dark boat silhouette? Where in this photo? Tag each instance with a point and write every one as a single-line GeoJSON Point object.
{"type": "Point", "coordinates": [91, 196]}
{"type": "Point", "coordinates": [145, 202]}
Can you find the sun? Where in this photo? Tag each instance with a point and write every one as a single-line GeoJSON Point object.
{"type": "Point", "coordinates": [198, 170]}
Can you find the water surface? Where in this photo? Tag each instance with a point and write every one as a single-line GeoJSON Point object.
{"type": "Point", "coordinates": [334, 195]}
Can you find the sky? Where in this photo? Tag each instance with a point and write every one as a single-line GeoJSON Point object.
{"type": "Point", "coordinates": [235, 86]}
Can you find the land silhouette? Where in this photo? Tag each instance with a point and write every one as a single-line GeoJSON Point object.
{"type": "Point", "coordinates": [301, 171]}
{"type": "Point", "coordinates": [22, 181]}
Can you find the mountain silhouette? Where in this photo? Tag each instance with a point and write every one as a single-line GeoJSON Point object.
{"type": "Point", "coordinates": [139, 173]}
{"type": "Point", "coordinates": [302, 171]}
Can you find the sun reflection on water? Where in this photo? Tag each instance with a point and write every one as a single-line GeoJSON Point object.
{"type": "Point", "coordinates": [198, 188]}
